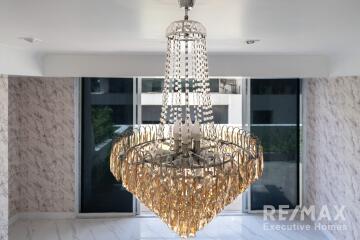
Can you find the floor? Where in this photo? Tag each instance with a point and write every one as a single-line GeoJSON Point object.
{"type": "Point", "coordinates": [246, 227]}
{"type": "Point", "coordinates": [234, 207]}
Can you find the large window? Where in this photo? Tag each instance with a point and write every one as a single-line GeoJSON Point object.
{"type": "Point", "coordinates": [107, 110]}
{"type": "Point", "coordinates": [274, 108]}
{"type": "Point", "coordinates": [112, 105]}
{"type": "Point", "coordinates": [227, 108]}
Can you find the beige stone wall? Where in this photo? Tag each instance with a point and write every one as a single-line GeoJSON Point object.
{"type": "Point", "coordinates": [14, 150]}
{"type": "Point", "coordinates": [332, 164]}
{"type": "Point", "coordinates": [41, 131]}
{"type": "Point", "coordinates": [3, 157]}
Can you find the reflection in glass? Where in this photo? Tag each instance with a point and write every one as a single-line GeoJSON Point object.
{"type": "Point", "coordinates": [227, 108]}
{"type": "Point", "coordinates": [217, 85]}
{"type": "Point", "coordinates": [275, 120]}
{"type": "Point", "coordinates": [151, 114]}
{"type": "Point", "coordinates": [230, 86]}
{"type": "Point", "coordinates": [106, 111]}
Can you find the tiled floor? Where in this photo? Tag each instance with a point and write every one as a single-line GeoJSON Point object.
{"type": "Point", "coordinates": [246, 227]}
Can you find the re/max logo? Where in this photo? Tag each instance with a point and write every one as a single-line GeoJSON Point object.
{"type": "Point", "coordinates": [330, 213]}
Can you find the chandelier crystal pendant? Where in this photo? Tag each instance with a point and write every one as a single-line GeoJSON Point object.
{"type": "Point", "coordinates": [186, 169]}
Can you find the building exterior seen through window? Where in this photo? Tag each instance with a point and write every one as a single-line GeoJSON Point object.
{"type": "Point", "coordinates": [107, 110]}
{"type": "Point", "coordinates": [113, 105]}
{"type": "Point", "coordinates": [227, 108]}
{"type": "Point", "coordinates": [275, 119]}
{"type": "Point", "coordinates": [225, 93]}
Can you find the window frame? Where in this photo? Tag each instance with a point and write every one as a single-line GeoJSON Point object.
{"type": "Point", "coordinates": [246, 87]}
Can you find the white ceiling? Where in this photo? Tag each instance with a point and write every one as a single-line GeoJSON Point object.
{"type": "Point", "coordinates": [106, 26]}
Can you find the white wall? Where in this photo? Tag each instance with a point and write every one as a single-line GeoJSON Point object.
{"type": "Point", "coordinates": [127, 65]}
{"type": "Point", "coordinates": [345, 65]}
{"type": "Point", "coordinates": [14, 61]}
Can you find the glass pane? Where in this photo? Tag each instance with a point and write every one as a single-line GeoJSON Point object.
{"type": "Point", "coordinates": [226, 95]}
{"type": "Point", "coordinates": [107, 110]}
{"type": "Point", "coordinates": [217, 85]}
{"type": "Point", "coordinates": [230, 86]}
{"type": "Point", "coordinates": [227, 107]}
{"type": "Point", "coordinates": [275, 120]}
{"type": "Point", "coordinates": [152, 85]}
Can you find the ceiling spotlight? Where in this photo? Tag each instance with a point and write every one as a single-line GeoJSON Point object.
{"type": "Point", "coordinates": [30, 39]}
{"type": "Point", "coordinates": [251, 41]}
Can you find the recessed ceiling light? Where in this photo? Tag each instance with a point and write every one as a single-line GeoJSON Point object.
{"type": "Point", "coordinates": [30, 39]}
{"type": "Point", "coordinates": [251, 41]}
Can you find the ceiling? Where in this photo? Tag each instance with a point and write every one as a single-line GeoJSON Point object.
{"type": "Point", "coordinates": [115, 26]}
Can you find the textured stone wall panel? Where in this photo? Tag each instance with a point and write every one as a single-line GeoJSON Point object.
{"type": "Point", "coordinates": [15, 173]}
{"type": "Point", "coordinates": [332, 167]}
{"type": "Point", "coordinates": [3, 157]}
{"type": "Point", "coordinates": [42, 139]}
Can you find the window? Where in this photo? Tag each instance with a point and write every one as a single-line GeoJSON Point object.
{"type": "Point", "coordinates": [154, 85]}
{"type": "Point", "coordinates": [275, 120]}
{"type": "Point", "coordinates": [107, 110]}
{"type": "Point", "coordinates": [110, 107]}
{"type": "Point", "coordinates": [227, 108]}
{"type": "Point", "coordinates": [262, 116]}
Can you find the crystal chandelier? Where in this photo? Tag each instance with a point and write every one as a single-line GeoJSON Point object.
{"type": "Point", "coordinates": [186, 169]}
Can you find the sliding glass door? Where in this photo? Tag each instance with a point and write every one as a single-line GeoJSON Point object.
{"type": "Point", "coordinates": [226, 94]}
{"type": "Point", "coordinates": [270, 106]}
{"type": "Point", "coordinates": [274, 113]}
{"type": "Point", "coordinates": [107, 110]}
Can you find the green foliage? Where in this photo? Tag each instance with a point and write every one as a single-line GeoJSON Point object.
{"type": "Point", "coordinates": [102, 123]}
{"type": "Point", "coordinates": [277, 139]}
